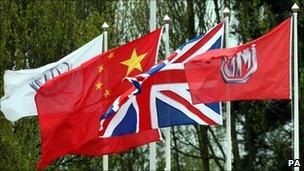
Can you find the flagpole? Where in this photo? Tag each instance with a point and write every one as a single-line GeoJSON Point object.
{"type": "Point", "coordinates": [168, 130]}
{"type": "Point", "coordinates": [226, 13]}
{"type": "Point", "coordinates": [295, 9]}
{"type": "Point", "coordinates": [152, 146]}
{"type": "Point", "coordinates": [105, 26]}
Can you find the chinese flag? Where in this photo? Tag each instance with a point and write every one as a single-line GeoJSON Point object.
{"type": "Point", "coordinates": [69, 106]}
{"type": "Point", "coordinates": [256, 70]}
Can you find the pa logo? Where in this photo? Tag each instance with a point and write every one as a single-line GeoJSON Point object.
{"type": "Point", "coordinates": [239, 68]}
{"type": "Point", "coordinates": [294, 163]}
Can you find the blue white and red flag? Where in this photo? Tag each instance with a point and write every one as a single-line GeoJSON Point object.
{"type": "Point", "coordinates": [162, 94]}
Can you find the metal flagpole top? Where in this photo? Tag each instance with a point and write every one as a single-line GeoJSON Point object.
{"type": "Point", "coordinates": [226, 11]}
{"type": "Point", "coordinates": [167, 19]}
{"type": "Point", "coordinates": [295, 8]}
{"type": "Point", "coordinates": [105, 26]}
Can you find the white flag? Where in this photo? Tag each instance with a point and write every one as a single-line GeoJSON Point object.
{"type": "Point", "coordinates": [20, 86]}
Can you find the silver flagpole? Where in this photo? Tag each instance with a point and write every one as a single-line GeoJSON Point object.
{"type": "Point", "coordinates": [295, 9]}
{"type": "Point", "coordinates": [152, 146]}
{"type": "Point", "coordinates": [105, 26]}
{"type": "Point", "coordinates": [226, 13]}
{"type": "Point", "coordinates": [168, 130]}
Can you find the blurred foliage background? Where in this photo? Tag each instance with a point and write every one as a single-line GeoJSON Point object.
{"type": "Point", "coordinates": [34, 33]}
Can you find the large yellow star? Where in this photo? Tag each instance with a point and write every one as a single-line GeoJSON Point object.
{"type": "Point", "coordinates": [134, 62]}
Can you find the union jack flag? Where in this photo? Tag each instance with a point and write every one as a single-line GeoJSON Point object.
{"type": "Point", "coordinates": [160, 97]}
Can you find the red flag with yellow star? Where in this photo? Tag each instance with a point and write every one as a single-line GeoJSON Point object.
{"type": "Point", "coordinates": [69, 106]}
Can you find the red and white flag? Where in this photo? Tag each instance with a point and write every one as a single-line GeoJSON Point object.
{"type": "Point", "coordinates": [256, 70]}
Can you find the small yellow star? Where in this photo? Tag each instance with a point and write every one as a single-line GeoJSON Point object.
{"type": "Point", "coordinates": [100, 68]}
{"type": "Point", "coordinates": [111, 55]}
{"type": "Point", "coordinates": [98, 85]}
{"type": "Point", "coordinates": [134, 62]}
{"type": "Point", "coordinates": [107, 93]}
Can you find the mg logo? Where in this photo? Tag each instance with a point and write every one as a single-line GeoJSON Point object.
{"type": "Point", "coordinates": [239, 68]}
{"type": "Point", "coordinates": [41, 79]}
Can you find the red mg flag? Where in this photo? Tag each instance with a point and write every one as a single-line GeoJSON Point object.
{"type": "Point", "coordinates": [69, 106]}
{"type": "Point", "coordinates": [256, 70]}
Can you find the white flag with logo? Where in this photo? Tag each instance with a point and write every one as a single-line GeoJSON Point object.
{"type": "Point", "coordinates": [20, 86]}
